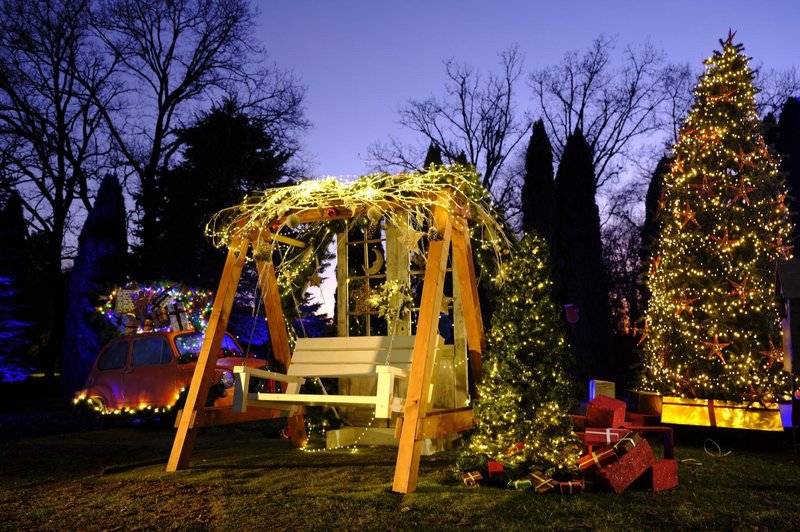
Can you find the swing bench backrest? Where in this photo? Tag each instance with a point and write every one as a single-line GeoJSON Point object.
{"type": "Point", "coordinates": [386, 357]}
{"type": "Point", "coordinates": [350, 356]}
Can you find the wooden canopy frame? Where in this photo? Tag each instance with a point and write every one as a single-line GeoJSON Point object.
{"type": "Point", "coordinates": [417, 422]}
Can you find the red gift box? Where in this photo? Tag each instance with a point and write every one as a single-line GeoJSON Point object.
{"type": "Point", "coordinates": [495, 469]}
{"type": "Point", "coordinates": [595, 436]}
{"type": "Point", "coordinates": [630, 466]}
{"type": "Point", "coordinates": [604, 411]}
{"type": "Point", "coordinates": [597, 459]}
{"type": "Point", "coordinates": [514, 449]}
{"type": "Point", "coordinates": [573, 487]}
{"type": "Point", "coordinates": [578, 422]}
{"type": "Point", "coordinates": [662, 475]}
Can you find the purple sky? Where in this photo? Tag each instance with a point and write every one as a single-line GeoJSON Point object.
{"type": "Point", "coordinates": [361, 60]}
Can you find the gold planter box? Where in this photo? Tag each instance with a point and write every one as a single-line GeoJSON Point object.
{"type": "Point", "coordinates": [725, 414]}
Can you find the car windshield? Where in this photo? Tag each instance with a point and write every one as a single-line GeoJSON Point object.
{"type": "Point", "coordinates": [189, 344]}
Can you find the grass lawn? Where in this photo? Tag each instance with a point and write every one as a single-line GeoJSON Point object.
{"type": "Point", "coordinates": [242, 480]}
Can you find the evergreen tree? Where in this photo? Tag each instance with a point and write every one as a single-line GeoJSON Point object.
{"type": "Point", "coordinates": [525, 394]}
{"type": "Point", "coordinates": [15, 309]}
{"type": "Point", "coordinates": [100, 264]}
{"type": "Point", "coordinates": [712, 316]}
{"type": "Point", "coordinates": [433, 156]}
{"type": "Point", "coordinates": [226, 155]}
{"type": "Point", "coordinates": [788, 146]}
{"type": "Point", "coordinates": [579, 262]}
{"type": "Point", "coordinates": [538, 211]}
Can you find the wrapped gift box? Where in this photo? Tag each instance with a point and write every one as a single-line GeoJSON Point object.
{"type": "Point", "coordinates": [630, 466]}
{"type": "Point", "coordinates": [604, 411]}
{"type": "Point", "coordinates": [628, 442]}
{"type": "Point", "coordinates": [597, 436]}
{"type": "Point", "coordinates": [662, 475]}
{"type": "Point", "coordinates": [471, 478]}
{"type": "Point", "coordinates": [541, 482]}
{"type": "Point", "coordinates": [572, 487]}
{"type": "Point", "coordinates": [495, 470]}
{"type": "Point", "coordinates": [597, 459]}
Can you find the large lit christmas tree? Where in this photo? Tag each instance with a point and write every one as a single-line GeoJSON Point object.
{"type": "Point", "coordinates": [525, 395]}
{"type": "Point", "coordinates": [712, 327]}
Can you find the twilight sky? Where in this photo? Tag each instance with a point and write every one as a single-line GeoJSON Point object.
{"type": "Point", "coordinates": [362, 60]}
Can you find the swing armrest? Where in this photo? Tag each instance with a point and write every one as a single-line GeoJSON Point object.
{"type": "Point", "coordinates": [397, 372]}
{"type": "Point", "coordinates": [264, 374]}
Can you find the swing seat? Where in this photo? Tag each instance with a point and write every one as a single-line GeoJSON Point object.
{"type": "Point", "coordinates": [385, 357]}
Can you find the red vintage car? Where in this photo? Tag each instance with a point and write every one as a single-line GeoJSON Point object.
{"type": "Point", "coordinates": [150, 370]}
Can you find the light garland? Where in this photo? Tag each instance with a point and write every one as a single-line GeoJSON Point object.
{"type": "Point", "coordinates": [396, 198]}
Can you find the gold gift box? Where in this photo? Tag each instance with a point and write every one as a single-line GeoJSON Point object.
{"type": "Point", "coordinates": [714, 413]}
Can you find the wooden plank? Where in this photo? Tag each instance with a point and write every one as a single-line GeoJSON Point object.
{"type": "Point", "coordinates": [342, 293]}
{"type": "Point", "coordinates": [374, 357]}
{"type": "Point", "coordinates": [203, 375]}
{"type": "Point", "coordinates": [416, 406]}
{"type": "Point", "coordinates": [444, 422]}
{"type": "Point", "coordinates": [354, 343]}
{"type": "Point", "coordinates": [279, 338]}
{"type": "Point", "coordinates": [286, 401]}
{"type": "Point", "coordinates": [470, 303]}
{"type": "Point", "coordinates": [340, 370]}
{"type": "Point", "coordinates": [213, 416]}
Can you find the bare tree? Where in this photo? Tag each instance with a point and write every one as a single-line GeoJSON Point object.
{"type": "Point", "coordinates": [610, 105]}
{"type": "Point", "coordinates": [476, 117]}
{"type": "Point", "coordinates": [176, 53]}
{"type": "Point", "coordinates": [776, 86]}
{"type": "Point", "coordinates": [51, 141]}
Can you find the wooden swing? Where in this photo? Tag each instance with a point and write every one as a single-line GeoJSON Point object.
{"type": "Point", "coordinates": [413, 356]}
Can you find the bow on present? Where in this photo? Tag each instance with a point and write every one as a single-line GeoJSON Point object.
{"type": "Point", "coordinates": [471, 478]}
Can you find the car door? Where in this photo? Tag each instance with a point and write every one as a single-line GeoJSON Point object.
{"type": "Point", "coordinates": [150, 380]}
{"type": "Point", "coordinates": [107, 381]}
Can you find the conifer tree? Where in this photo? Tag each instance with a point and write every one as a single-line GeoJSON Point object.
{"type": "Point", "coordinates": [525, 394]}
{"type": "Point", "coordinates": [788, 146]}
{"type": "Point", "coordinates": [538, 188]}
{"type": "Point", "coordinates": [100, 264]}
{"type": "Point", "coordinates": [712, 321]}
{"type": "Point", "coordinates": [580, 276]}
{"type": "Point", "coordinates": [433, 156]}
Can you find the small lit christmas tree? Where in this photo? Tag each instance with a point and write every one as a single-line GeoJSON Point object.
{"type": "Point", "coordinates": [526, 393]}
{"type": "Point", "coordinates": [712, 327]}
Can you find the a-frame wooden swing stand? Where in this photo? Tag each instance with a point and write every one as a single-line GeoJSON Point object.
{"type": "Point", "coordinates": [418, 422]}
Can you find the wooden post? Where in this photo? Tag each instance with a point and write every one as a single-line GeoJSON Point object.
{"type": "Point", "coordinates": [464, 265]}
{"type": "Point", "coordinates": [206, 360]}
{"type": "Point", "coordinates": [410, 447]}
{"type": "Point", "coordinates": [279, 338]}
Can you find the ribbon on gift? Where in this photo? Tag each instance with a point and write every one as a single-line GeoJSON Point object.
{"type": "Point", "coordinates": [571, 487]}
{"type": "Point", "coordinates": [628, 442]}
{"type": "Point", "coordinates": [471, 478]}
{"type": "Point", "coordinates": [541, 482]}
{"type": "Point", "coordinates": [521, 484]}
{"type": "Point", "coordinates": [514, 449]}
{"type": "Point", "coordinates": [604, 436]}
{"type": "Point", "coordinates": [597, 459]}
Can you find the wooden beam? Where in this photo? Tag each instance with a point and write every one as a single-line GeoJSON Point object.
{"type": "Point", "coordinates": [211, 416]}
{"type": "Point", "coordinates": [279, 338]}
{"type": "Point", "coordinates": [206, 361]}
{"type": "Point", "coordinates": [444, 422]}
{"type": "Point", "coordinates": [470, 302]}
{"type": "Point", "coordinates": [408, 454]}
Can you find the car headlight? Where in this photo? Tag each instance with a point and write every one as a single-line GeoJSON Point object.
{"type": "Point", "coordinates": [226, 379]}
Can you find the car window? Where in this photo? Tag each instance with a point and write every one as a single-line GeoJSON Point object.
{"type": "Point", "coordinates": [113, 357]}
{"type": "Point", "coordinates": [189, 344]}
{"type": "Point", "coordinates": [151, 352]}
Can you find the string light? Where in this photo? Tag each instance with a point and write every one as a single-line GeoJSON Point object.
{"type": "Point", "coordinates": [713, 313]}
